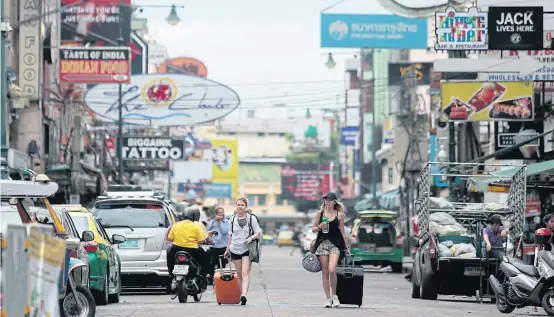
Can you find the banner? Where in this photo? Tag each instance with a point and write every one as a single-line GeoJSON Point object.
{"type": "Point", "coordinates": [515, 28]}
{"type": "Point", "coordinates": [305, 181]}
{"type": "Point", "coordinates": [349, 135]}
{"type": "Point", "coordinates": [96, 21]}
{"type": "Point", "coordinates": [399, 71]}
{"type": "Point", "coordinates": [509, 133]}
{"type": "Point", "coordinates": [157, 148]}
{"type": "Point", "coordinates": [95, 65]}
{"type": "Point", "coordinates": [46, 256]}
{"type": "Point", "coordinates": [225, 168]}
{"type": "Point", "coordinates": [487, 101]}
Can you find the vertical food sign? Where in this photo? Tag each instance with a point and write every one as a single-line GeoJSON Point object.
{"type": "Point", "coordinates": [466, 31]}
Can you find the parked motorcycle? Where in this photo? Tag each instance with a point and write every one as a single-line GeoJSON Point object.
{"type": "Point", "coordinates": [523, 284]}
{"type": "Point", "coordinates": [187, 278]}
{"type": "Point", "coordinates": [76, 300]}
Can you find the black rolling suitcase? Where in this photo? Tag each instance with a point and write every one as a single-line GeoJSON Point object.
{"type": "Point", "coordinates": [350, 282]}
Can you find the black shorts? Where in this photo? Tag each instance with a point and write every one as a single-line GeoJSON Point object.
{"type": "Point", "coordinates": [235, 256]}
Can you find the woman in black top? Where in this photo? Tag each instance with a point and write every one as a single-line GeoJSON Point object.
{"type": "Point", "coordinates": [328, 246]}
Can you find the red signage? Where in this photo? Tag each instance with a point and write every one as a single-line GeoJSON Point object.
{"type": "Point", "coordinates": [100, 65]}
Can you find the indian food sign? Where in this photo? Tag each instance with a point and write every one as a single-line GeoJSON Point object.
{"type": "Point", "coordinates": [487, 101]}
{"type": "Point", "coordinates": [99, 65]}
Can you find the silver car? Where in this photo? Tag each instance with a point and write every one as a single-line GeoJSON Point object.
{"type": "Point", "coordinates": [145, 223]}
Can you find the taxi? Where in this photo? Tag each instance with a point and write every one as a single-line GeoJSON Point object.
{"type": "Point", "coordinates": [105, 265]}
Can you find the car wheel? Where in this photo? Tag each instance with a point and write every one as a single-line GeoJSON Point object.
{"type": "Point", "coordinates": [428, 287]}
{"type": "Point", "coordinates": [415, 287]}
{"type": "Point", "coordinates": [102, 297]}
{"type": "Point", "coordinates": [114, 298]}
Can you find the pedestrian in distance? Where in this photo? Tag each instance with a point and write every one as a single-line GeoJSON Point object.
{"type": "Point", "coordinates": [244, 230]}
{"type": "Point", "coordinates": [220, 225]}
{"type": "Point", "coordinates": [330, 241]}
{"type": "Point", "coordinates": [296, 240]}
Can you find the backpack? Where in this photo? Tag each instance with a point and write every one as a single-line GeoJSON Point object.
{"type": "Point", "coordinates": [232, 221]}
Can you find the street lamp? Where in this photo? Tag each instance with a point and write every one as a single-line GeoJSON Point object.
{"type": "Point", "coordinates": [330, 62]}
{"type": "Point", "coordinates": [173, 19]}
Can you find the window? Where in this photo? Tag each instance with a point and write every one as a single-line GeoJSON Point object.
{"type": "Point", "coordinates": [100, 230]}
{"type": "Point", "coordinates": [250, 114]}
{"type": "Point", "coordinates": [261, 200]}
{"type": "Point", "coordinates": [131, 215]}
{"type": "Point", "coordinates": [81, 223]}
{"type": "Point", "coordinates": [390, 176]}
{"type": "Point", "coordinates": [279, 200]}
{"type": "Point", "coordinates": [251, 200]}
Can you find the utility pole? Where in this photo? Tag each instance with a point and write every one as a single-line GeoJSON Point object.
{"type": "Point", "coordinates": [120, 42]}
{"type": "Point", "coordinates": [337, 158]}
{"type": "Point", "coordinates": [75, 157]}
{"type": "Point", "coordinates": [4, 145]}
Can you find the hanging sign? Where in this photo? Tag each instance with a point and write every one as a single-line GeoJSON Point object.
{"type": "Point", "coordinates": [95, 65]}
{"type": "Point", "coordinates": [515, 28]}
{"type": "Point", "coordinates": [153, 149]}
{"type": "Point", "coordinates": [459, 30]}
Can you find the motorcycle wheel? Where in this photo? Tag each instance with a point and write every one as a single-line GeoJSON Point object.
{"type": "Point", "coordinates": [182, 290]}
{"type": "Point", "coordinates": [548, 302]}
{"type": "Point", "coordinates": [85, 300]}
{"type": "Point", "coordinates": [197, 297]}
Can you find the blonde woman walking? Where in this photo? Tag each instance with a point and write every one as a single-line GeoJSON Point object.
{"type": "Point", "coordinates": [244, 229]}
{"type": "Point", "coordinates": [330, 241]}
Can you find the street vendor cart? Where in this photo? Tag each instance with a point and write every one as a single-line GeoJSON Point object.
{"type": "Point", "coordinates": [450, 259]}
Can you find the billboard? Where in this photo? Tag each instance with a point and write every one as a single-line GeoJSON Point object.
{"type": "Point", "coordinates": [96, 20]}
{"type": "Point", "coordinates": [515, 28]}
{"type": "Point", "coordinates": [164, 100]}
{"type": "Point", "coordinates": [305, 181]}
{"type": "Point", "coordinates": [94, 65]}
{"type": "Point", "coordinates": [225, 168]}
{"type": "Point", "coordinates": [487, 101]}
{"type": "Point", "coordinates": [154, 148]}
{"type": "Point", "coordinates": [399, 71]}
{"type": "Point", "coordinates": [184, 65]}
{"type": "Point", "coordinates": [461, 30]}
{"type": "Point", "coordinates": [372, 31]}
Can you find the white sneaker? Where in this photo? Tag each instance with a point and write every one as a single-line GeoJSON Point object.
{"type": "Point", "coordinates": [335, 302]}
{"type": "Point", "coordinates": [328, 303]}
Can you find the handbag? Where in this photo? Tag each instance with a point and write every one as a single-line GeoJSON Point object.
{"type": "Point", "coordinates": [311, 263]}
{"type": "Point", "coordinates": [254, 251]}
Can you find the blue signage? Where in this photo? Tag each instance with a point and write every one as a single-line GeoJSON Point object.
{"type": "Point", "coordinates": [219, 190]}
{"type": "Point", "coordinates": [373, 31]}
{"type": "Point", "coordinates": [349, 135]}
{"type": "Point", "coordinates": [433, 157]}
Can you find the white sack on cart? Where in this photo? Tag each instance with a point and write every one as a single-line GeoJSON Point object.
{"type": "Point", "coordinates": [468, 255]}
{"type": "Point", "coordinates": [443, 218]}
{"type": "Point", "coordinates": [496, 207]}
{"type": "Point", "coordinates": [440, 203]}
{"type": "Point", "coordinates": [463, 248]}
{"type": "Point", "coordinates": [451, 230]}
{"type": "Point", "coordinates": [444, 250]}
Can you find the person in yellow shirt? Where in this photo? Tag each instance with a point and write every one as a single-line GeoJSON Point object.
{"type": "Point", "coordinates": [186, 236]}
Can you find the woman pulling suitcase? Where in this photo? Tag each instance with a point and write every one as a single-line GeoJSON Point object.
{"type": "Point", "coordinates": [330, 241]}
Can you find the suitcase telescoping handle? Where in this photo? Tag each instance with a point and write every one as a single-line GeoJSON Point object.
{"type": "Point", "coordinates": [348, 270]}
{"type": "Point", "coordinates": [221, 267]}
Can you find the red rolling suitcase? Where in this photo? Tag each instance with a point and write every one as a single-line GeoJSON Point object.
{"type": "Point", "coordinates": [350, 283]}
{"type": "Point", "coordinates": [226, 285]}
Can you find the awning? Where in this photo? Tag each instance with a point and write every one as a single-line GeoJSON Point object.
{"type": "Point", "coordinates": [482, 183]}
{"type": "Point", "coordinates": [386, 200]}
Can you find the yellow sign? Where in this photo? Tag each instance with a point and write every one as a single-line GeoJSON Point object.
{"type": "Point", "coordinates": [487, 101]}
{"type": "Point", "coordinates": [225, 160]}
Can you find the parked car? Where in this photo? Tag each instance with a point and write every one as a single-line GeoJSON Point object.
{"type": "Point", "coordinates": [145, 222]}
{"type": "Point", "coordinates": [105, 265]}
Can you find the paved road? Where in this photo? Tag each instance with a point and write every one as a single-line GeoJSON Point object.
{"type": "Point", "coordinates": [281, 288]}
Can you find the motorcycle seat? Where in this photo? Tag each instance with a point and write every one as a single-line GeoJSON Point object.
{"type": "Point", "coordinates": [525, 268]}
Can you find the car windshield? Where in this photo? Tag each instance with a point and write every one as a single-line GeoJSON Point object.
{"type": "Point", "coordinates": [131, 215]}
{"type": "Point", "coordinates": [80, 222]}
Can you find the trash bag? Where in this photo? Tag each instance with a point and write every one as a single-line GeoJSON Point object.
{"type": "Point", "coordinates": [496, 207]}
{"type": "Point", "coordinates": [463, 248]}
{"type": "Point", "coordinates": [443, 218]}
{"type": "Point", "coordinates": [440, 203]}
{"type": "Point", "coordinates": [444, 250]}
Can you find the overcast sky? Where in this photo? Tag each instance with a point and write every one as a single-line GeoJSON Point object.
{"type": "Point", "coordinates": [265, 50]}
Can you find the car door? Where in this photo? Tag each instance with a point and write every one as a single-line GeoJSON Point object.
{"type": "Point", "coordinates": [113, 264]}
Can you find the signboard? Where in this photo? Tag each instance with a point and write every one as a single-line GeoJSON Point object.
{"type": "Point", "coordinates": [349, 135]}
{"type": "Point", "coordinates": [516, 28]}
{"type": "Point", "coordinates": [95, 65]}
{"type": "Point", "coordinates": [372, 31]}
{"type": "Point", "coordinates": [487, 101]}
{"type": "Point", "coordinates": [153, 148]}
{"type": "Point", "coordinates": [544, 56]}
{"type": "Point", "coordinates": [507, 134]}
{"type": "Point", "coordinates": [305, 181]}
{"type": "Point", "coordinates": [461, 30]}
{"type": "Point", "coordinates": [164, 100]}
{"type": "Point", "coordinates": [184, 65]}
{"type": "Point", "coordinates": [29, 48]}
{"type": "Point", "coordinates": [399, 71]}
{"type": "Point", "coordinates": [157, 54]}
